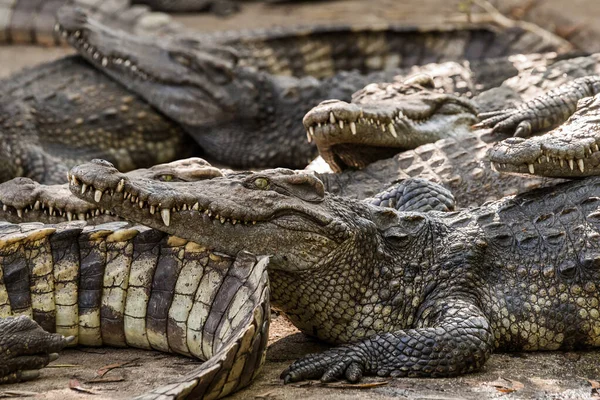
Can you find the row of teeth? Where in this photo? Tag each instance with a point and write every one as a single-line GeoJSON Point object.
{"type": "Point", "coordinates": [385, 127]}
{"type": "Point", "coordinates": [561, 161]}
{"type": "Point", "coordinates": [50, 211]}
{"type": "Point", "coordinates": [165, 213]}
{"type": "Point", "coordinates": [77, 39]}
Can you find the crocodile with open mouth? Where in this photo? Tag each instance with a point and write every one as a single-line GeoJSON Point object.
{"type": "Point", "coordinates": [236, 105]}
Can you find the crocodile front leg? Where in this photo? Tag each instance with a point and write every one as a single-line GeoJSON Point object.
{"type": "Point", "coordinates": [25, 348]}
{"type": "Point", "coordinates": [543, 112]}
{"type": "Point", "coordinates": [458, 341]}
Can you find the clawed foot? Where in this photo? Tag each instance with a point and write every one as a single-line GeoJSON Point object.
{"type": "Point", "coordinates": [25, 348]}
{"type": "Point", "coordinates": [337, 363]}
{"type": "Point", "coordinates": [511, 119]}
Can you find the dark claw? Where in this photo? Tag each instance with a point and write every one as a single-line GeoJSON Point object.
{"type": "Point", "coordinates": [25, 348]}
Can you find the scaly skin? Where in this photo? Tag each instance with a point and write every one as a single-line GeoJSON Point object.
{"type": "Point", "coordinates": [121, 285]}
{"type": "Point", "coordinates": [404, 294]}
{"type": "Point", "coordinates": [23, 200]}
{"type": "Point", "coordinates": [63, 113]}
{"type": "Point", "coordinates": [458, 164]}
{"type": "Point", "coordinates": [543, 112]}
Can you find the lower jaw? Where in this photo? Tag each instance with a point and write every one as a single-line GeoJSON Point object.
{"type": "Point", "coordinates": [358, 157]}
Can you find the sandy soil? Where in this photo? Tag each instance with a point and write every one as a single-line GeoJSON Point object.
{"type": "Point", "coordinates": [553, 375]}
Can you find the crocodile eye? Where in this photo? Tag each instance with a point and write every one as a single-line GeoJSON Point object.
{"type": "Point", "coordinates": [166, 178]}
{"type": "Point", "coordinates": [261, 183]}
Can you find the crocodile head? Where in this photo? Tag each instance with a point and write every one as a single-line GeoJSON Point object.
{"type": "Point", "coordinates": [571, 150]}
{"type": "Point", "coordinates": [23, 200]}
{"type": "Point", "coordinates": [230, 110]}
{"type": "Point", "coordinates": [287, 214]}
{"type": "Point", "coordinates": [384, 119]}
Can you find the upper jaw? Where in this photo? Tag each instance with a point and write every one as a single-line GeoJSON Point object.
{"type": "Point", "coordinates": [220, 199]}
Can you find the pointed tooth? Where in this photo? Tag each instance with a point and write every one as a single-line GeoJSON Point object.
{"type": "Point", "coordinates": [81, 216]}
{"type": "Point", "coordinates": [51, 210]}
{"type": "Point", "coordinates": [69, 215]}
{"type": "Point", "coordinates": [98, 195]}
{"type": "Point", "coordinates": [353, 127]}
{"type": "Point", "coordinates": [571, 164]}
{"type": "Point", "coordinates": [341, 124]}
{"type": "Point", "coordinates": [308, 137]}
{"type": "Point", "coordinates": [152, 209]}
{"type": "Point", "coordinates": [36, 206]}
{"type": "Point", "coordinates": [196, 207]}
{"type": "Point", "coordinates": [121, 185]}
{"type": "Point", "coordinates": [165, 213]}
{"type": "Point", "coordinates": [141, 203]}
{"type": "Point", "coordinates": [19, 212]}
{"type": "Point", "coordinates": [311, 130]}
{"type": "Point", "coordinates": [331, 117]}
{"type": "Point", "coordinates": [531, 169]}
{"type": "Point", "coordinates": [234, 221]}
{"type": "Point", "coordinates": [596, 148]}
{"type": "Point", "coordinates": [83, 188]}
{"type": "Point", "coordinates": [392, 130]}
{"type": "Point", "coordinates": [581, 165]}
{"type": "Point", "coordinates": [4, 207]}
{"type": "Point", "coordinates": [547, 158]}
{"type": "Point", "coordinates": [222, 219]}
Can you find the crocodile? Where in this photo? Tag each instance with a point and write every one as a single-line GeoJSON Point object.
{"type": "Point", "coordinates": [241, 107]}
{"type": "Point", "coordinates": [120, 284]}
{"type": "Point", "coordinates": [400, 293]}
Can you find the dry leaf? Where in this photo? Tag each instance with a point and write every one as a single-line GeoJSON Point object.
{"type": "Point", "coordinates": [106, 369]}
{"type": "Point", "coordinates": [16, 394]}
{"type": "Point", "coordinates": [344, 385]}
{"type": "Point", "coordinates": [62, 365]}
{"type": "Point", "coordinates": [75, 385]}
{"type": "Point", "coordinates": [595, 384]}
{"type": "Point", "coordinates": [506, 385]}
{"type": "Point", "coordinates": [106, 380]}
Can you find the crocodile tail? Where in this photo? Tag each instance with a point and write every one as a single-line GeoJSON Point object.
{"type": "Point", "coordinates": [33, 21]}
{"type": "Point", "coordinates": [121, 285]}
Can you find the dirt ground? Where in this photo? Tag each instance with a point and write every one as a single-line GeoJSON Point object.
{"type": "Point", "coordinates": [552, 375]}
